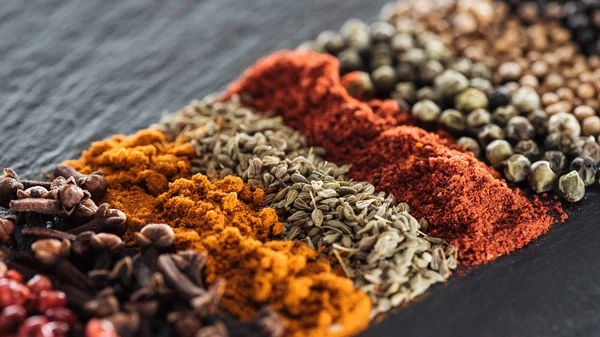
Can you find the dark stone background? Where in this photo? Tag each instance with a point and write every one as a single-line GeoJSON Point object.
{"type": "Point", "coordinates": [74, 71]}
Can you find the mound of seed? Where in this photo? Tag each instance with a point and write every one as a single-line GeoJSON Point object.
{"type": "Point", "coordinates": [379, 245]}
{"type": "Point", "coordinates": [431, 57]}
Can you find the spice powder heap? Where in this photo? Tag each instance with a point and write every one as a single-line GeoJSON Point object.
{"type": "Point", "coordinates": [464, 201]}
{"type": "Point", "coordinates": [226, 218]}
{"type": "Point", "coordinates": [375, 241]}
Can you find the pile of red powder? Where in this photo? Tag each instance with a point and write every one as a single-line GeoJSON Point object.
{"type": "Point", "coordinates": [465, 201]}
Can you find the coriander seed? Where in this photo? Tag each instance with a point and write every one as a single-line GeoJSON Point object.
{"type": "Point", "coordinates": [591, 126]}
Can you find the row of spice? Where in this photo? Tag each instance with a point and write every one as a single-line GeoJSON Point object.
{"type": "Point", "coordinates": [222, 212]}
{"type": "Point", "coordinates": [528, 94]}
{"type": "Point", "coordinates": [150, 178]}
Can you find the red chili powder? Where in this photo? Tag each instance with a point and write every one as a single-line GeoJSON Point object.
{"type": "Point", "coordinates": [465, 201]}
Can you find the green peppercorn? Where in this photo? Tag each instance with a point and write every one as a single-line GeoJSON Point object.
{"type": "Point", "coordinates": [330, 42]}
{"type": "Point", "coordinates": [381, 60]}
{"type": "Point", "coordinates": [381, 49]}
{"type": "Point", "coordinates": [477, 119]}
{"type": "Point", "coordinates": [526, 99]}
{"type": "Point", "coordinates": [489, 133]}
{"type": "Point", "coordinates": [571, 187]}
{"type": "Point", "coordinates": [382, 32]}
{"type": "Point", "coordinates": [498, 151]}
{"type": "Point", "coordinates": [557, 160]}
{"type": "Point", "coordinates": [384, 79]}
{"type": "Point", "coordinates": [428, 93]}
{"type": "Point", "coordinates": [463, 66]}
{"type": "Point", "coordinates": [429, 71]}
{"type": "Point", "coordinates": [405, 91]}
{"type": "Point", "coordinates": [352, 26]}
{"type": "Point", "coordinates": [516, 168]}
{"type": "Point", "coordinates": [589, 148]}
{"type": "Point", "coordinates": [356, 35]}
{"type": "Point", "coordinates": [559, 141]}
{"type": "Point", "coordinates": [436, 50]}
{"type": "Point", "coordinates": [450, 82]}
{"type": "Point", "coordinates": [309, 46]}
{"type": "Point", "coordinates": [542, 178]}
{"type": "Point", "coordinates": [470, 144]}
{"type": "Point", "coordinates": [426, 36]}
{"type": "Point", "coordinates": [519, 128]}
{"type": "Point", "coordinates": [402, 42]}
{"type": "Point", "coordinates": [503, 114]}
{"type": "Point", "coordinates": [406, 72]}
{"type": "Point", "coordinates": [564, 123]}
{"type": "Point", "coordinates": [539, 120]}
{"type": "Point", "coordinates": [453, 120]}
{"type": "Point", "coordinates": [406, 25]}
{"type": "Point", "coordinates": [414, 56]}
{"type": "Point", "coordinates": [361, 86]}
{"type": "Point", "coordinates": [350, 60]}
{"type": "Point", "coordinates": [470, 99]}
{"type": "Point", "coordinates": [586, 167]}
{"type": "Point", "coordinates": [528, 148]}
{"type": "Point", "coordinates": [426, 111]}
{"type": "Point", "coordinates": [480, 84]}
{"type": "Point", "coordinates": [481, 70]}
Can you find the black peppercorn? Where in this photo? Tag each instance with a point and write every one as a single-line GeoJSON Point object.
{"type": "Point", "coordinates": [586, 168]}
{"type": "Point", "coordinates": [557, 160]}
{"type": "Point", "coordinates": [499, 96]}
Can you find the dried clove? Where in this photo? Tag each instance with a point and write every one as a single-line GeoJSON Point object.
{"type": "Point", "coordinates": [105, 220]}
{"type": "Point", "coordinates": [94, 183]}
{"type": "Point", "coordinates": [7, 228]}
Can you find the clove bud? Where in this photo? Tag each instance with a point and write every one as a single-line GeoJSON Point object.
{"type": "Point", "coordinates": [93, 183]}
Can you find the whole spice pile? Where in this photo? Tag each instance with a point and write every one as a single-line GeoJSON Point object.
{"type": "Point", "coordinates": [61, 279]}
{"type": "Point", "coordinates": [544, 96]}
{"type": "Point", "coordinates": [581, 17]}
{"type": "Point", "coordinates": [386, 253]}
{"type": "Point", "coordinates": [308, 94]}
{"type": "Point", "coordinates": [227, 219]}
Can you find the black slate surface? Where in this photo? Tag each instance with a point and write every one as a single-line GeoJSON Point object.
{"type": "Point", "coordinates": [76, 71]}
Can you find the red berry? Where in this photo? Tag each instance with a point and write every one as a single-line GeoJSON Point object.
{"type": "Point", "coordinates": [34, 327]}
{"type": "Point", "coordinates": [38, 283]}
{"type": "Point", "coordinates": [3, 269]}
{"type": "Point", "coordinates": [100, 328]}
{"type": "Point", "coordinates": [11, 317]}
{"type": "Point", "coordinates": [51, 299]}
{"type": "Point", "coordinates": [61, 315]}
{"type": "Point", "coordinates": [12, 292]}
{"type": "Point", "coordinates": [15, 275]}
{"type": "Point", "coordinates": [58, 329]}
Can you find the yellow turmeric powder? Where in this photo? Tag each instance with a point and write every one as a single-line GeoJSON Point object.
{"type": "Point", "coordinates": [149, 180]}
